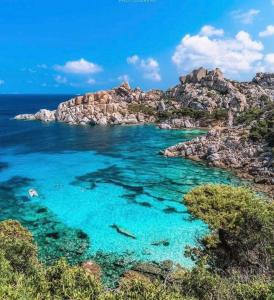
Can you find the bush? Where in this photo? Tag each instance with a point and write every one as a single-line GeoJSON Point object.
{"type": "Point", "coordinates": [242, 229]}
{"type": "Point", "coordinates": [250, 115]}
{"type": "Point", "coordinates": [17, 245]}
{"type": "Point", "coordinates": [141, 108]}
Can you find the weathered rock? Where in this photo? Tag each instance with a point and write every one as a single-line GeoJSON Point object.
{"type": "Point", "coordinates": [225, 148]}
{"type": "Point", "coordinates": [42, 115]}
{"type": "Point", "coordinates": [92, 268]}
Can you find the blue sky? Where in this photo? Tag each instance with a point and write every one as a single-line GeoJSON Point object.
{"type": "Point", "coordinates": [86, 45]}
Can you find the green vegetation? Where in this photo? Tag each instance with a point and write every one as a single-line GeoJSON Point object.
{"type": "Point", "coordinates": [218, 114]}
{"type": "Point", "coordinates": [250, 115]}
{"type": "Point", "coordinates": [242, 229]}
{"type": "Point", "coordinates": [234, 261]}
{"type": "Point", "coordinates": [171, 112]}
{"type": "Point", "coordinates": [261, 121]}
{"type": "Point", "coordinates": [141, 108]}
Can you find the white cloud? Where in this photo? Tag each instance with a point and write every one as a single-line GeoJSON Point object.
{"type": "Point", "coordinates": [268, 31]}
{"type": "Point", "coordinates": [269, 63]}
{"type": "Point", "coordinates": [245, 17]}
{"type": "Point", "coordinates": [209, 30]}
{"type": "Point", "coordinates": [91, 81]}
{"type": "Point", "coordinates": [133, 59]}
{"type": "Point", "coordinates": [272, 2]}
{"type": "Point", "coordinates": [80, 66]}
{"type": "Point", "coordinates": [269, 58]}
{"type": "Point", "coordinates": [150, 67]}
{"type": "Point", "coordinates": [60, 79]}
{"type": "Point", "coordinates": [124, 78]}
{"type": "Point", "coordinates": [2, 82]}
{"type": "Point", "coordinates": [232, 55]}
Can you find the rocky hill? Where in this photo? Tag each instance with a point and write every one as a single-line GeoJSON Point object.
{"type": "Point", "coordinates": [201, 99]}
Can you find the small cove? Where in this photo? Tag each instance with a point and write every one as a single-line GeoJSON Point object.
{"type": "Point", "coordinates": [90, 178]}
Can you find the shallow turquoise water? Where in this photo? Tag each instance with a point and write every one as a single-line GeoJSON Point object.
{"type": "Point", "coordinates": [90, 178]}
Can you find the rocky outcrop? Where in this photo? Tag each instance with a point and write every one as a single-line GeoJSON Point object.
{"type": "Point", "coordinates": [183, 122]}
{"type": "Point", "coordinates": [231, 149]}
{"type": "Point", "coordinates": [202, 91]}
{"type": "Point", "coordinates": [209, 90]}
{"type": "Point", "coordinates": [42, 115]}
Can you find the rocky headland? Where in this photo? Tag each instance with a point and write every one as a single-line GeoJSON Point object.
{"type": "Point", "coordinates": [240, 116]}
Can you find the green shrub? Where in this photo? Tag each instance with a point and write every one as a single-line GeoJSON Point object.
{"type": "Point", "coordinates": [141, 108]}
{"type": "Point", "coordinates": [249, 115]}
{"type": "Point", "coordinates": [17, 245]}
{"type": "Point", "coordinates": [71, 282]}
{"type": "Point", "coordinates": [242, 229]}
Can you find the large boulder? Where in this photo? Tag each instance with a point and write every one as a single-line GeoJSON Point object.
{"type": "Point", "coordinates": [45, 115]}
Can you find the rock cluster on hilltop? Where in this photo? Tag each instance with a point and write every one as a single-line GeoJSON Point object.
{"type": "Point", "coordinates": [209, 90]}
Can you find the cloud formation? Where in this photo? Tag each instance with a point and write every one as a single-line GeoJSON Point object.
{"type": "Point", "coordinates": [80, 66]}
{"type": "Point", "coordinates": [232, 55]}
{"type": "Point", "coordinates": [245, 17]}
{"type": "Point", "coordinates": [149, 67]}
{"type": "Point", "coordinates": [268, 31]}
{"type": "Point", "coordinates": [209, 30]}
{"type": "Point", "coordinates": [2, 82]}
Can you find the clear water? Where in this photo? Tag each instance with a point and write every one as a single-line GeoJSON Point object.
{"type": "Point", "coordinates": [90, 178]}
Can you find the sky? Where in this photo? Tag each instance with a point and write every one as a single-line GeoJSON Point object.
{"type": "Point", "coordinates": [69, 46]}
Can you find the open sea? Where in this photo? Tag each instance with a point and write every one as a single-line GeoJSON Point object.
{"type": "Point", "coordinates": [89, 178]}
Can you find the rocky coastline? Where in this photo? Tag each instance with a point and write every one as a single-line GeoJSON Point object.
{"type": "Point", "coordinates": [230, 148]}
{"type": "Point", "coordinates": [240, 138]}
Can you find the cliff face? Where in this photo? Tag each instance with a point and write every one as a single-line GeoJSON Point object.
{"type": "Point", "coordinates": [196, 102]}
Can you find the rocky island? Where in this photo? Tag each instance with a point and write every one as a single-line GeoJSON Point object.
{"type": "Point", "coordinates": [238, 114]}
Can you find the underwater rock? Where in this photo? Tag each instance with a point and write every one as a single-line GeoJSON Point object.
{"type": "Point", "coordinates": [161, 243]}
{"type": "Point", "coordinates": [170, 210]}
{"type": "Point", "coordinates": [145, 204]}
{"type": "Point", "coordinates": [123, 231]}
{"type": "Point", "coordinates": [53, 235]}
{"type": "Point", "coordinates": [42, 210]}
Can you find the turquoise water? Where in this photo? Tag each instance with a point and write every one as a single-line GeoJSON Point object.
{"type": "Point", "coordinates": [89, 178]}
